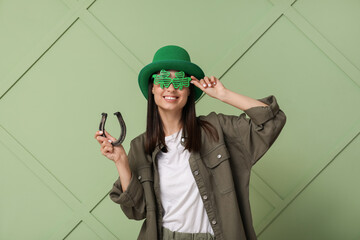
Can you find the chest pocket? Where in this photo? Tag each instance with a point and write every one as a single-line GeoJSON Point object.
{"type": "Point", "coordinates": [219, 165]}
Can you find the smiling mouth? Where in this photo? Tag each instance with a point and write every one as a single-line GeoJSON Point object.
{"type": "Point", "coordinates": [170, 98]}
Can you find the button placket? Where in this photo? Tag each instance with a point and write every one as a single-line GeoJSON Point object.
{"type": "Point", "coordinates": [203, 192]}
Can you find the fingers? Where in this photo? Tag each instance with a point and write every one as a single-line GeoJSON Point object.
{"type": "Point", "coordinates": [213, 80]}
{"type": "Point", "coordinates": [107, 149]}
{"type": "Point", "coordinates": [109, 136]}
{"type": "Point", "coordinates": [207, 82]}
{"type": "Point", "coordinates": [98, 136]}
{"type": "Point", "coordinates": [106, 146]}
{"type": "Point", "coordinates": [204, 83]}
{"type": "Point", "coordinates": [98, 133]}
{"type": "Point", "coordinates": [197, 83]}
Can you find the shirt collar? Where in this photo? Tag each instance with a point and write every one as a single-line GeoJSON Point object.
{"type": "Point", "coordinates": [160, 145]}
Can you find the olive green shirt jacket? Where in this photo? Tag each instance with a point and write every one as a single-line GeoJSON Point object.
{"type": "Point", "coordinates": [221, 171]}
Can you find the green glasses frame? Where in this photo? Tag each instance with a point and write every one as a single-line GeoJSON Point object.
{"type": "Point", "coordinates": [164, 79]}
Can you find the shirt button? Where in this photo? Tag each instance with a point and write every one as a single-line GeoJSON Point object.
{"type": "Point", "coordinates": [182, 139]}
{"type": "Point", "coordinates": [213, 222]}
{"type": "Point", "coordinates": [205, 197]}
{"type": "Point", "coordinates": [139, 177]}
{"type": "Point", "coordinates": [196, 172]}
{"type": "Point", "coordinates": [219, 156]}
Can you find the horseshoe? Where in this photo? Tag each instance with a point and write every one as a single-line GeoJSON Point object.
{"type": "Point", "coordinates": [122, 126]}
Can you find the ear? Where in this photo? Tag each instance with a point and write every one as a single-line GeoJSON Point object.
{"type": "Point", "coordinates": [152, 89]}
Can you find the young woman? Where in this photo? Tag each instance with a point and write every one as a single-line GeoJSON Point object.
{"type": "Point", "coordinates": [188, 176]}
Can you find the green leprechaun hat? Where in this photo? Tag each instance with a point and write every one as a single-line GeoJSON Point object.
{"type": "Point", "coordinates": [170, 58]}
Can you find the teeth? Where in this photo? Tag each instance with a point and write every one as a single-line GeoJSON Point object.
{"type": "Point", "coordinates": [170, 98]}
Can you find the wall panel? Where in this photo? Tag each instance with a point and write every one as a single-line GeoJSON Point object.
{"type": "Point", "coordinates": [64, 62]}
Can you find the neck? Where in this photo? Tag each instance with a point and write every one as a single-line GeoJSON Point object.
{"type": "Point", "coordinates": [171, 121]}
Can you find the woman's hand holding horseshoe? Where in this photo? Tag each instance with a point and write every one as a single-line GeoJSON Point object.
{"type": "Point", "coordinates": [116, 154]}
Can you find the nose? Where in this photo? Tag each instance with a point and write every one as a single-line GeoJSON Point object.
{"type": "Point", "coordinates": [171, 88]}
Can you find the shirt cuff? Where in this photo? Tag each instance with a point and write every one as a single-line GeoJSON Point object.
{"type": "Point", "coordinates": [132, 194]}
{"type": "Point", "coordinates": [262, 114]}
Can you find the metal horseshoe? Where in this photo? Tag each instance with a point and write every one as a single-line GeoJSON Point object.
{"type": "Point", "coordinates": [122, 126]}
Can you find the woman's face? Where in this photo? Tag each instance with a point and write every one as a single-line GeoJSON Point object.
{"type": "Point", "coordinates": [170, 99]}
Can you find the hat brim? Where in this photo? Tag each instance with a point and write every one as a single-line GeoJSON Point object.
{"type": "Point", "coordinates": [179, 65]}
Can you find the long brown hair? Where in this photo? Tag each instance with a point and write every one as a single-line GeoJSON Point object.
{"type": "Point", "coordinates": [191, 124]}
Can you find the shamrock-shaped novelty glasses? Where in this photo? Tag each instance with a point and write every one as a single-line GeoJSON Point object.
{"type": "Point", "coordinates": [164, 80]}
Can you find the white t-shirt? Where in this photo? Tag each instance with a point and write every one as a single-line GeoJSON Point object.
{"type": "Point", "coordinates": [180, 197]}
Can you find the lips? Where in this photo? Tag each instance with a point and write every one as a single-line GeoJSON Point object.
{"type": "Point", "coordinates": [170, 97]}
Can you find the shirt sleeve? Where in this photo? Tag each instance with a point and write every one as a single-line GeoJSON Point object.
{"type": "Point", "coordinates": [131, 200]}
{"type": "Point", "coordinates": [258, 132]}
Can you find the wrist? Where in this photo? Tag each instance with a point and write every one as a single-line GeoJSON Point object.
{"type": "Point", "coordinates": [223, 95]}
{"type": "Point", "coordinates": [121, 160]}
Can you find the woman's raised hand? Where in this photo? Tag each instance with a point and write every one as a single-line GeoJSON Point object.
{"type": "Point", "coordinates": [114, 153]}
{"type": "Point", "coordinates": [210, 85]}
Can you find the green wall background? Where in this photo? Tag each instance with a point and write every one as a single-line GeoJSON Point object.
{"type": "Point", "coordinates": [63, 62]}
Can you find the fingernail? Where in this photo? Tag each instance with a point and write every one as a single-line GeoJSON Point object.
{"type": "Point", "coordinates": [214, 83]}
{"type": "Point", "coordinates": [109, 141]}
{"type": "Point", "coordinates": [204, 85]}
{"type": "Point", "coordinates": [100, 132]}
{"type": "Point", "coordinates": [209, 85]}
